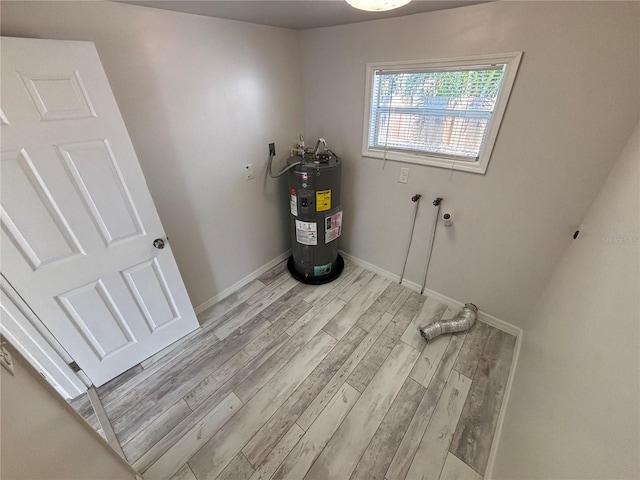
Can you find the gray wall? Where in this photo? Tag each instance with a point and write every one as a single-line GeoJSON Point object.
{"type": "Point", "coordinates": [201, 97]}
{"type": "Point", "coordinates": [573, 411]}
{"type": "Point", "coordinates": [573, 106]}
{"type": "Point", "coordinates": [44, 439]}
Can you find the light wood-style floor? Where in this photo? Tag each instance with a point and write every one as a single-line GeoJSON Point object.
{"type": "Point", "coordinates": [286, 380]}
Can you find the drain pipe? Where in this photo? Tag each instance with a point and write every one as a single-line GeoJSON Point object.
{"type": "Point", "coordinates": [415, 199]}
{"type": "Point", "coordinates": [436, 203]}
{"type": "Point", "coordinates": [464, 320]}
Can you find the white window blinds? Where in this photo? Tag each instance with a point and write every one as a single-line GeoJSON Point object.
{"type": "Point", "coordinates": [444, 113]}
{"type": "Point", "coordinates": [441, 112]}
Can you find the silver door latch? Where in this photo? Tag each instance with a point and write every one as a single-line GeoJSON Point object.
{"type": "Point", "coordinates": [6, 359]}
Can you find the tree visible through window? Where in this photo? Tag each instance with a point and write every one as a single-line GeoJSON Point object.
{"type": "Point", "coordinates": [437, 111]}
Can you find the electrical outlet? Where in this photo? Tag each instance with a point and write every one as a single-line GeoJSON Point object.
{"type": "Point", "coordinates": [404, 175]}
{"type": "Point", "coordinates": [248, 171]}
{"type": "Point", "coordinates": [272, 149]}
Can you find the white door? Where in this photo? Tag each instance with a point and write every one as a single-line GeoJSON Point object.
{"type": "Point", "coordinates": [78, 222]}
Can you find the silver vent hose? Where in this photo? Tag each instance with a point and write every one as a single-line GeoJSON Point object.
{"type": "Point", "coordinates": [464, 320]}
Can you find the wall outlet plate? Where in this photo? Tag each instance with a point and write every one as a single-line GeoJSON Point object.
{"type": "Point", "coordinates": [404, 175]}
{"type": "Point", "coordinates": [248, 171]}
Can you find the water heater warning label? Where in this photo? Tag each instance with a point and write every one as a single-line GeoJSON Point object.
{"type": "Point", "coordinates": [323, 200]}
{"type": "Point", "coordinates": [332, 227]}
{"type": "Point", "coordinates": [307, 233]}
{"type": "Point", "coordinates": [293, 203]}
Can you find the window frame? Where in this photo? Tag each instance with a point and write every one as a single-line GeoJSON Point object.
{"type": "Point", "coordinates": [511, 62]}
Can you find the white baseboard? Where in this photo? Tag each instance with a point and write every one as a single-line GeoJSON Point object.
{"type": "Point", "coordinates": [450, 302]}
{"type": "Point", "coordinates": [241, 283]}
{"type": "Point", "coordinates": [488, 474]}
{"type": "Point", "coordinates": [380, 271]}
{"type": "Point", "coordinates": [482, 316]}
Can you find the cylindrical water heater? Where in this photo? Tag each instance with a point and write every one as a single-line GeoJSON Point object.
{"type": "Point", "coordinates": [316, 217]}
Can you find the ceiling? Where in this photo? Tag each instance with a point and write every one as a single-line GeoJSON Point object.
{"type": "Point", "coordinates": [295, 14]}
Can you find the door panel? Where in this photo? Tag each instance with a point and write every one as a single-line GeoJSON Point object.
{"type": "Point", "coordinates": [44, 237]}
{"type": "Point", "coordinates": [78, 222]}
{"type": "Point", "coordinates": [94, 313]}
{"type": "Point", "coordinates": [98, 179]}
{"type": "Point", "coordinates": [58, 97]}
{"type": "Point", "coordinates": [149, 287]}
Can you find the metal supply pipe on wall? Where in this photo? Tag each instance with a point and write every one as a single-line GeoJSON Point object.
{"type": "Point", "coordinates": [415, 199]}
{"type": "Point", "coordinates": [436, 203]}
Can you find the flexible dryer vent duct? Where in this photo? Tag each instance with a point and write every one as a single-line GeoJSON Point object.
{"type": "Point", "coordinates": [464, 320]}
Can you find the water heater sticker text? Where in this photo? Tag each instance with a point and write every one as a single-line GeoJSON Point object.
{"type": "Point", "coordinates": [323, 200]}
{"type": "Point", "coordinates": [293, 203]}
{"type": "Point", "coordinates": [333, 227]}
{"type": "Point", "coordinates": [306, 233]}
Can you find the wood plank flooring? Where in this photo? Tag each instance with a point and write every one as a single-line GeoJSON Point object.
{"type": "Point", "coordinates": [290, 381]}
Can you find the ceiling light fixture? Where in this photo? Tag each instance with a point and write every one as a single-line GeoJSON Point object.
{"type": "Point", "coordinates": [377, 5]}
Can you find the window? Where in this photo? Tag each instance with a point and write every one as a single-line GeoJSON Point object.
{"type": "Point", "coordinates": [444, 113]}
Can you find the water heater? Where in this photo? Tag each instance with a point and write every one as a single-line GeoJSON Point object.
{"type": "Point", "coordinates": [315, 216]}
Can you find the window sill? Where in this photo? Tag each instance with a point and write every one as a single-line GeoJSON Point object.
{"type": "Point", "coordinates": [421, 159]}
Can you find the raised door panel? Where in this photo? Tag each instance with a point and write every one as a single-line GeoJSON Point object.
{"type": "Point", "coordinates": [148, 284]}
{"type": "Point", "coordinates": [97, 177]}
{"type": "Point", "coordinates": [93, 312]}
{"type": "Point", "coordinates": [60, 96]}
{"type": "Point", "coordinates": [30, 214]}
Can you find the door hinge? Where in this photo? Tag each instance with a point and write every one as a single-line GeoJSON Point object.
{"type": "Point", "coordinates": [75, 367]}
